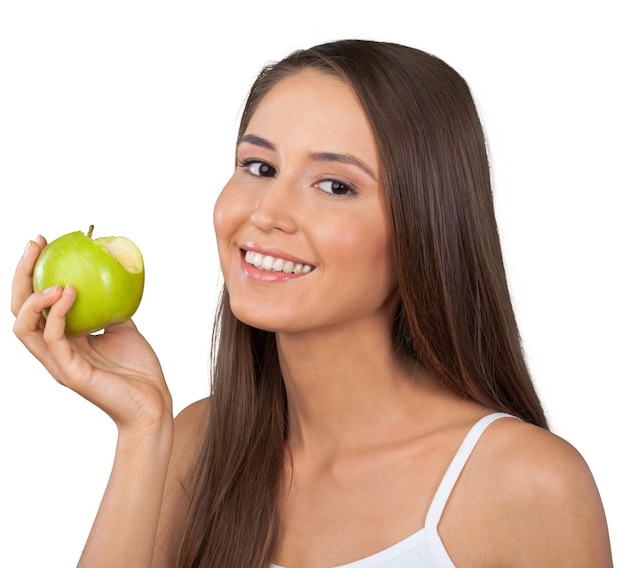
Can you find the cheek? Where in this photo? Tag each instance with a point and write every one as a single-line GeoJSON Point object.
{"type": "Point", "coordinates": [363, 251]}
{"type": "Point", "coordinates": [227, 214]}
{"type": "Point", "coordinates": [227, 217]}
{"type": "Point", "coordinates": [357, 238]}
{"type": "Point", "coordinates": [219, 214]}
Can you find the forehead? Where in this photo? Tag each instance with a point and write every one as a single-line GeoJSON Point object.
{"type": "Point", "coordinates": [315, 108]}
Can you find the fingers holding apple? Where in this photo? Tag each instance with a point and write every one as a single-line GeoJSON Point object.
{"type": "Point", "coordinates": [22, 286]}
{"type": "Point", "coordinates": [64, 298]}
{"type": "Point", "coordinates": [83, 285]}
{"type": "Point", "coordinates": [107, 274]}
{"type": "Point", "coordinates": [30, 326]}
{"type": "Point", "coordinates": [28, 307]}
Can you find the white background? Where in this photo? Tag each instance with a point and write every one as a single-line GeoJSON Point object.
{"type": "Point", "coordinates": [123, 115]}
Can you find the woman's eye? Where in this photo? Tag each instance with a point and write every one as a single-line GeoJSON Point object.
{"type": "Point", "coordinates": [335, 187]}
{"type": "Point", "coordinates": [259, 169]}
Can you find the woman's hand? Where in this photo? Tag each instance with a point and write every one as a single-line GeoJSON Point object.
{"type": "Point", "coordinates": [117, 370]}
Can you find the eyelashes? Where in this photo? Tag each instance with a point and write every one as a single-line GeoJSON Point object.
{"type": "Point", "coordinates": [257, 168]}
{"type": "Point", "coordinates": [336, 187]}
{"type": "Point", "coordinates": [330, 186]}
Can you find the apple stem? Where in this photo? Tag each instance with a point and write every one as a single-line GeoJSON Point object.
{"type": "Point", "coordinates": [90, 232]}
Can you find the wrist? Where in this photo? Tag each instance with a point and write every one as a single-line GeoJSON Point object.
{"type": "Point", "coordinates": [147, 417]}
{"type": "Point", "coordinates": [158, 431]}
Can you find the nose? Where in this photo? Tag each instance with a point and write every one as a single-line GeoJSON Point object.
{"type": "Point", "coordinates": [276, 208]}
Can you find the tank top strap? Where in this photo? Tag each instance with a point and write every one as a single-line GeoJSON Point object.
{"type": "Point", "coordinates": [455, 468]}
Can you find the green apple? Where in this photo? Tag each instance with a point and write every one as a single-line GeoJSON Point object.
{"type": "Point", "coordinates": [107, 273]}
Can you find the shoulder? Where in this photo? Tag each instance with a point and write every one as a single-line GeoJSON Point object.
{"type": "Point", "coordinates": [191, 420]}
{"type": "Point", "coordinates": [539, 502]}
{"type": "Point", "coordinates": [190, 427]}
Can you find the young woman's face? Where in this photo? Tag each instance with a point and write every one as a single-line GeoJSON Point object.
{"type": "Point", "coordinates": [301, 229]}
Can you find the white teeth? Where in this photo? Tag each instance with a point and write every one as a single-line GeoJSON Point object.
{"type": "Point", "coordinates": [254, 258]}
{"type": "Point", "coordinates": [267, 263]}
{"type": "Point", "coordinates": [274, 264]}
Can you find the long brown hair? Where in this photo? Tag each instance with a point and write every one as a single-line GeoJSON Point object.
{"type": "Point", "coordinates": [455, 316]}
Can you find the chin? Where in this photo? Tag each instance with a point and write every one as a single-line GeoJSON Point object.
{"type": "Point", "coordinates": [255, 317]}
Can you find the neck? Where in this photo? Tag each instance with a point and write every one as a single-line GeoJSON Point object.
{"type": "Point", "coordinates": [344, 387]}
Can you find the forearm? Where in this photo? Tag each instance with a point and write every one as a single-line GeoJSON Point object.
{"type": "Point", "coordinates": [124, 531]}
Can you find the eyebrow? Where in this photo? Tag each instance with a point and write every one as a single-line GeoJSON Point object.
{"type": "Point", "coordinates": [257, 141]}
{"type": "Point", "coordinates": [316, 156]}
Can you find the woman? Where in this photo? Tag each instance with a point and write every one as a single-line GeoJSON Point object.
{"type": "Point", "coordinates": [370, 401]}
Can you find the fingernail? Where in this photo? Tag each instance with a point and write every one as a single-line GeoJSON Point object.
{"type": "Point", "coordinates": [51, 289]}
{"type": "Point", "coordinates": [29, 244]}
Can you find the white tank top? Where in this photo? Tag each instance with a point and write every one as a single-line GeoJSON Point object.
{"type": "Point", "coordinates": [424, 548]}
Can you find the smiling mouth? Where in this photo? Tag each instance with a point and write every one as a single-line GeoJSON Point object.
{"type": "Point", "coordinates": [269, 263]}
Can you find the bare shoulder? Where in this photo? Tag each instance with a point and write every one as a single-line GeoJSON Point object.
{"type": "Point", "coordinates": [190, 422]}
{"type": "Point", "coordinates": [189, 430]}
{"type": "Point", "coordinates": [539, 504]}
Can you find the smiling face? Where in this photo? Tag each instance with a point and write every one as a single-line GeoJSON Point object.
{"type": "Point", "coordinates": [301, 229]}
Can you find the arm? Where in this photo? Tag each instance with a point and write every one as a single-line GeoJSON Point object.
{"type": "Point", "coordinates": [189, 429]}
{"type": "Point", "coordinates": [124, 531]}
{"type": "Point", "coordinates": [118, 372]}
{"type": "Point", "coordinates": [135, 481]}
